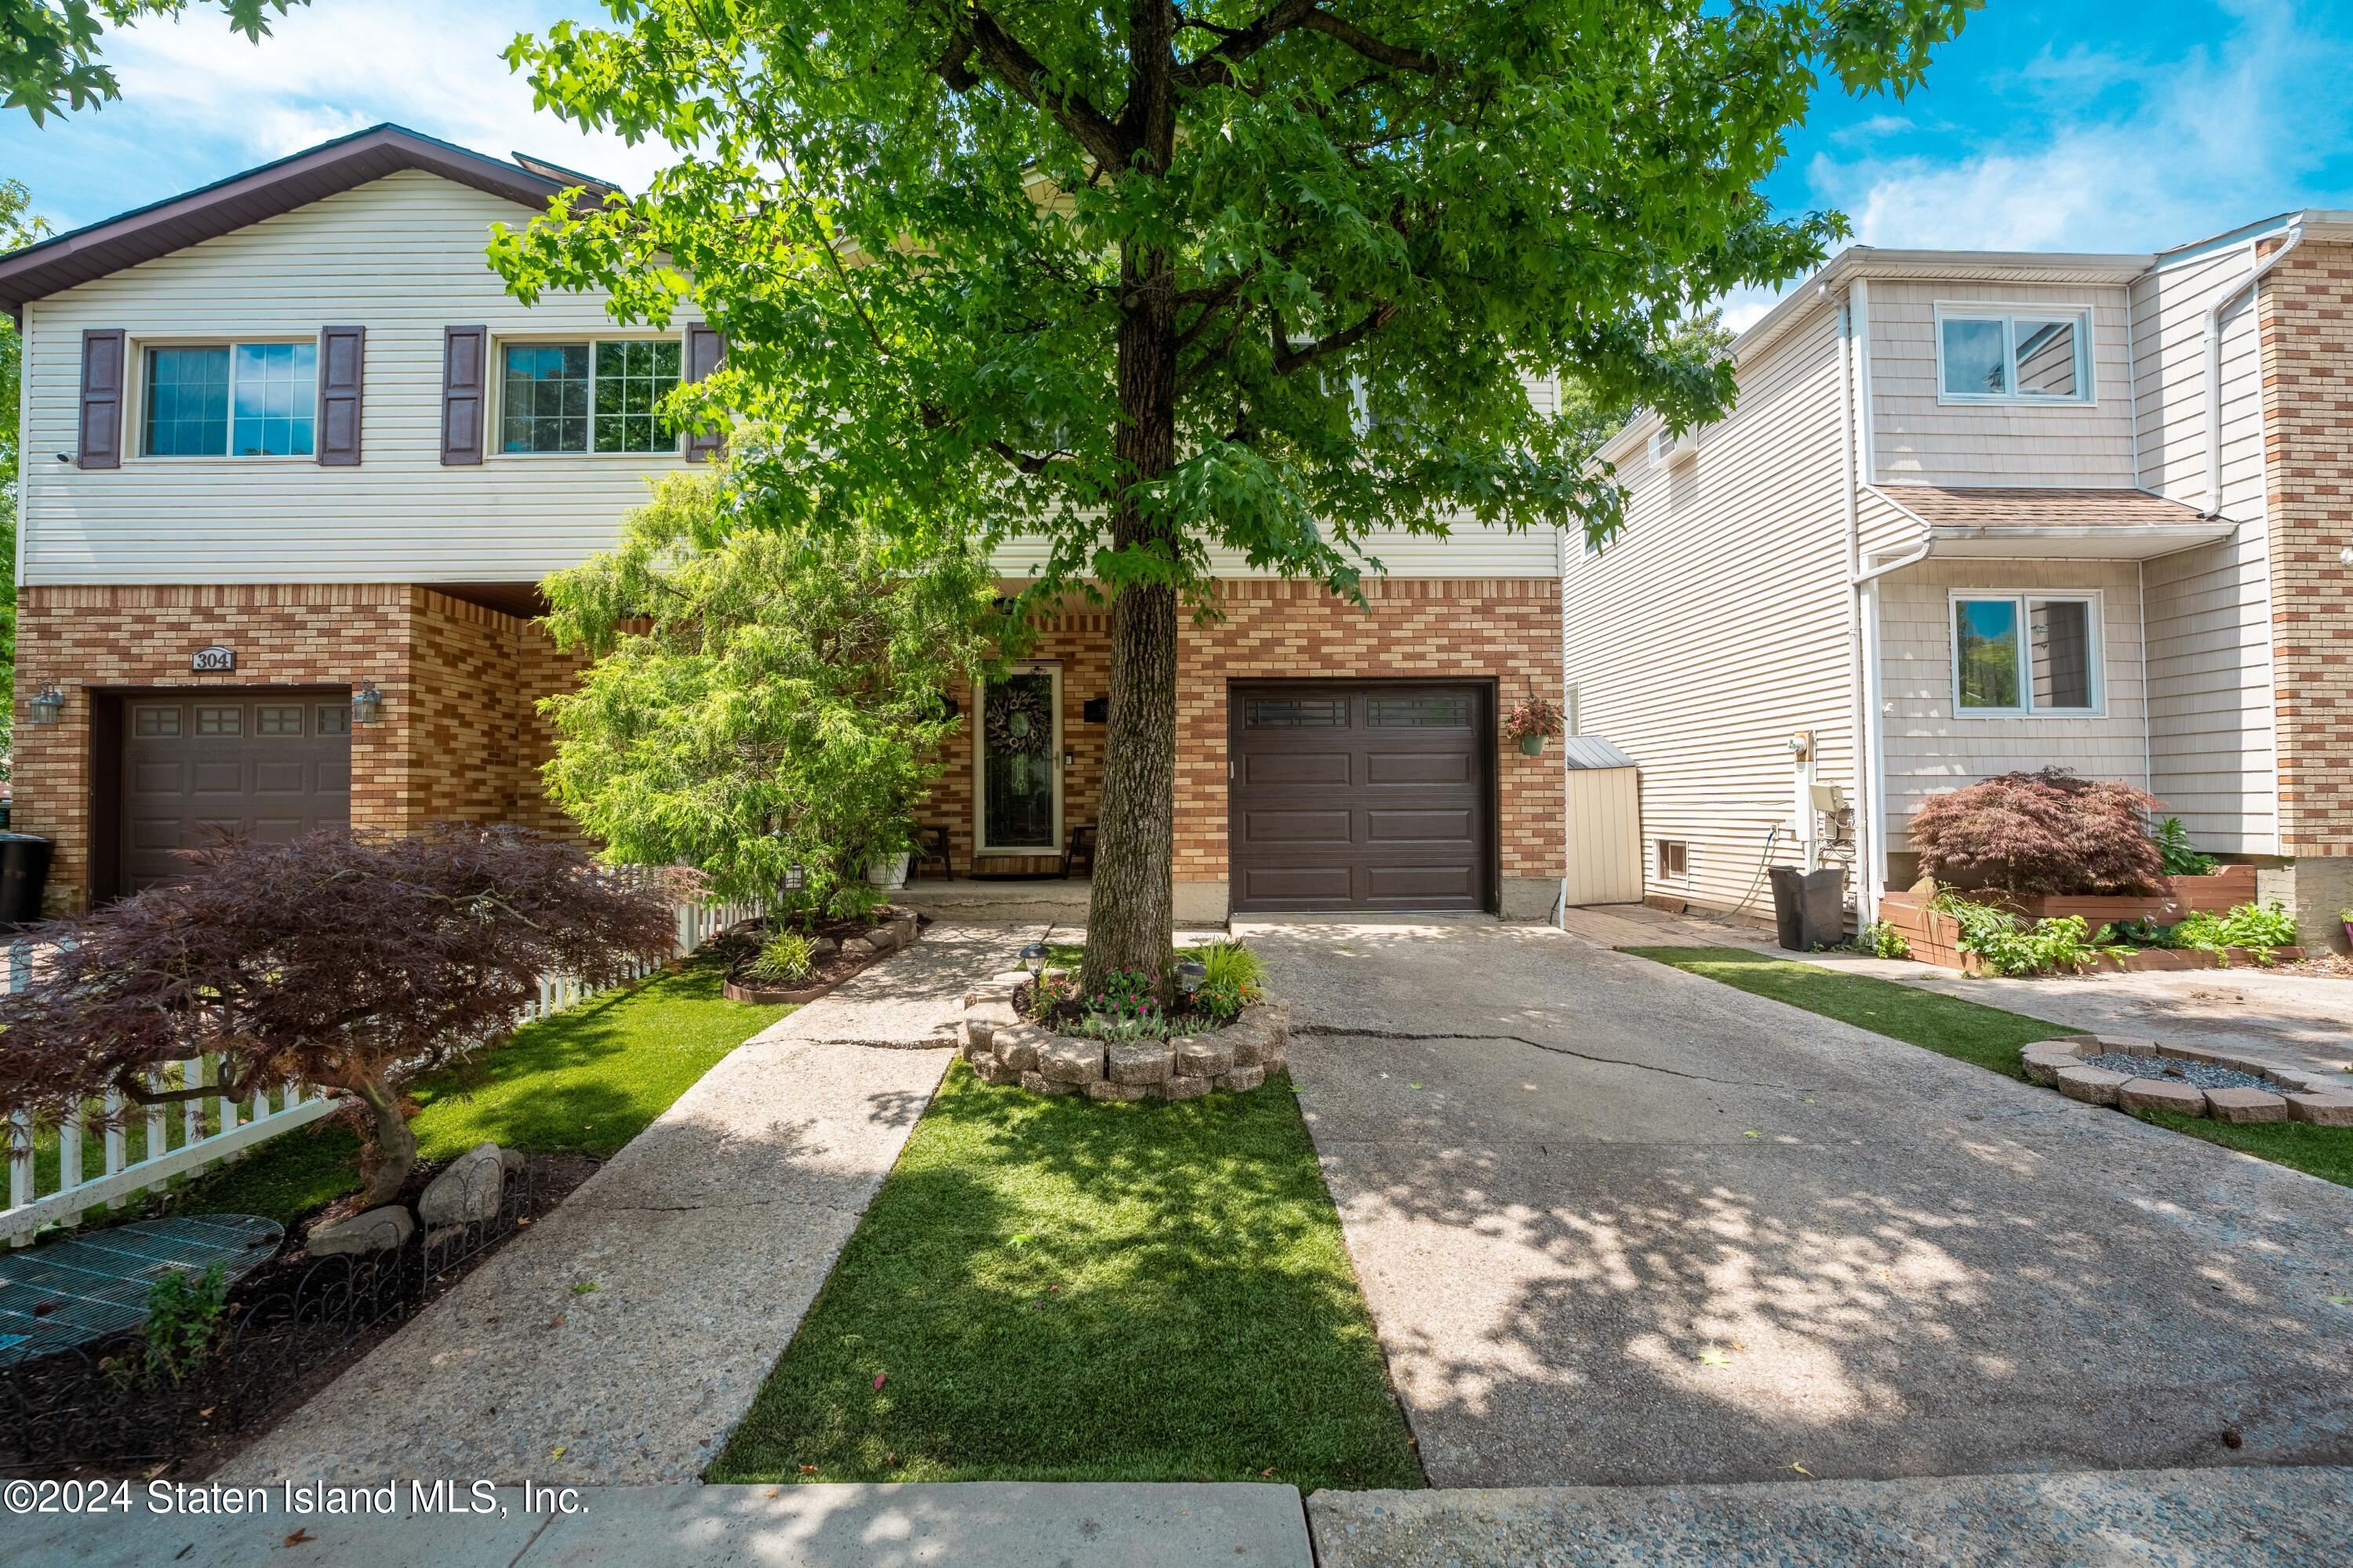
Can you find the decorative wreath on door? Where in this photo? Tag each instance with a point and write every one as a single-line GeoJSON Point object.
{"type": "Point", "coordinates": [1018, 723]}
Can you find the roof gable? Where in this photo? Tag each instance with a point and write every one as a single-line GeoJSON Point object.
{"type": "Point", "coordinates": [210, 211]}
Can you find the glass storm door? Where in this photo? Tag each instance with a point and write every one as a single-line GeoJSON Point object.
{"type": "Point", "coordinates": [1021, 771]}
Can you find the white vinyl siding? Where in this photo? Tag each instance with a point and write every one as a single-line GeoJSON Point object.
{"type": "Point", "coordinates": [1929, 749]}
{"type": "Point", "coordinates": [1716, 624]}
{"type": "Point", "coordinates": [403, 257]}
{"type": "Point", "coordinates": [1919, 436]}
{"type": "Point", "coordinates": [2207, 609]}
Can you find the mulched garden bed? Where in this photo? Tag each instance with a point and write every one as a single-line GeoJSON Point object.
{"type": "Point", "coordinates": [295, 1324]}
{"type": "Point", "coordinates": [740, 948]}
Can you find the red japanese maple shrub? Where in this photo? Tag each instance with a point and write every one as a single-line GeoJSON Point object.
{"type": "Point", "coordinates": [2050, 832]}
{"type": "Point", "coordinates": [351, 964]}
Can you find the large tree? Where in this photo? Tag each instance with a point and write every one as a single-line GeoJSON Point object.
{"type": "Point", "coordinates": [1147, 277]}
{"type": "Point", "coordinates": [18, 228]}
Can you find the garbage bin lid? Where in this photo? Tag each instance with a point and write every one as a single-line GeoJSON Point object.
{"type": "Point", "coordinates": [9, 838]}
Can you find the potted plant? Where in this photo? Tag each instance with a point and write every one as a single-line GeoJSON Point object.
{"type": "Point", "coordinates": [2345, 917]}
{"type": "Point", "coordinates": [1532, 721]}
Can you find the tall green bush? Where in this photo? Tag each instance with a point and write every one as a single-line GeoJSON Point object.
{"type": "Point", "coordinates": [767, 694]}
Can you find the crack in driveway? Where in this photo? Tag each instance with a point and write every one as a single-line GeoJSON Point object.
{"type": "Point", "coordinates": [1329, 1030]}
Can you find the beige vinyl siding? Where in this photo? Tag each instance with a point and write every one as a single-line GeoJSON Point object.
{"type": "Point", "coordinates": [1886, 530]}
{"type": "Point", "coordinates": [1605, 852]}
{"type": "Point", "coordinates": [1917, 440]}
{"type": "Point", "coordinates": [2207, 609]}
{"type": "Point", "coordinates": [403, 257]}
{"type": "Point", "coordinates": [1716, 624]}
{"type": "Point", "coordinates": [1929, 749]}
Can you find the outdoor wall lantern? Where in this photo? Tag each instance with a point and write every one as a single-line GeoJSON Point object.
{"type": "Point", "coordinates": [46, 704]}
{"type": "Point", "coordinates": [367, 704]}
{"type": "Point", "coordinates": [1034, 957]}
{"type": "Point", "coordinates": [1189, 975]}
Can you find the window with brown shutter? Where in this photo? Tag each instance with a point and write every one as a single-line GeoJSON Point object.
{"type": "Point", "coordinates": [705, 349]}
{"type": "Point", "coordinates": [465, 380]}
{"type": "Point", "coordinates": [342, 357]}
{"type": "Point", "coordinates": [100, 441]}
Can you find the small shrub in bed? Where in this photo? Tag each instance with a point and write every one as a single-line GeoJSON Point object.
{"type": "Point", "coordinates": [786, 957]}
{"type": "Point", "coordinates": [2049, 832]}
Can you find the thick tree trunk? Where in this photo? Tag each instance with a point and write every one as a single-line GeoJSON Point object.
{"type": "Point", "coordinates": [1130, 917]}
{"type": "Point", "coordinates": [391, 1151]}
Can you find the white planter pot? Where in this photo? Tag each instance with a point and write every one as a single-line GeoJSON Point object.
{"type": "Point", "coordinates": [891, 874]}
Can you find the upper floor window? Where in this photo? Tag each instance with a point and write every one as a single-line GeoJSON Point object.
{"type": "Point", "coordinates": [587, 396]}
{"type": "Point", "coordinates": [245, 399]}
{"type": "Point", "coordinates": [2025, 654]}
{"type": "Point", "coordinates": [2013, 358]}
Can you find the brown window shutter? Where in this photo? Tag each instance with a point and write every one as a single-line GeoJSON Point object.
{"type": "Point", "coordinates": [342, 353]}
{"type": "Point", "coordinates": [705, 349]}
{"type": "Point", "coordinates": [100, 441]}
{"type": "Point", "coordinates": [465, 382]}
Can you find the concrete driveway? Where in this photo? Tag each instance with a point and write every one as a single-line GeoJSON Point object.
{"type": "Point", "coordinates": [1621, 1224]}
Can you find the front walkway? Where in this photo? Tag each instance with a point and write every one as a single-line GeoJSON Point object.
{"type": "Point", "coordinates": [623, 1337]}
{"type": "Point", "coordinates": [1620, 1224]}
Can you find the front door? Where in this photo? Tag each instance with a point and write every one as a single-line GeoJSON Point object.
{"type": "Point", "coordinates": [1018, 759]}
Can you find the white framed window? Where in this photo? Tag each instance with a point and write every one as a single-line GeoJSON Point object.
{"type": "Point", "coordinates": [597, 394]}
{"type": "Point", "coordinates": [1672, 857]}
{"type": "Point", "coordinates": [2026, 654]}
{"type": "Point", "coordinates": [2022, 356]}
{"type": "Point", "coordinates": [228, 399]}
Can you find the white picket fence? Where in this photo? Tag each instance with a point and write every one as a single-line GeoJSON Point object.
{"type": "Point", "coordinates": [232, 1126]}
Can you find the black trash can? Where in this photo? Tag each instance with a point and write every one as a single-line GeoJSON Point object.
{"type": "Point", "coordinates": [1808, 907]}
{"type": "Point", "coordinates": [23, 873]}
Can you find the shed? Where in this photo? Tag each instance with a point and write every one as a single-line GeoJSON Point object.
{"type": "Point", "coordinates": [1605, 822]}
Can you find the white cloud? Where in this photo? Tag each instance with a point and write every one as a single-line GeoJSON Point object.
{"type": "Point", "coordinates": [2170, 150]}
{"type": "Point", "coordinates": [431, 65]}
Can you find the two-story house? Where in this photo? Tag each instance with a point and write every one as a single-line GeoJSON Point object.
{"type": "Point", "coordinates": [1978, 511]}
{"type": "Point", "coordinates": [295, 462]}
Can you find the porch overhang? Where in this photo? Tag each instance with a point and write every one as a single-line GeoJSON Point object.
{"type": "Point", "coordinates": [2131, 542]}
{"type": "Point", "coordinates": [2109, 523]}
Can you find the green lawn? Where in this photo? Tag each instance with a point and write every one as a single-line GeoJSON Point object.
{"type": "Point", "coordinates": [1054, 1289]}
{"type": "Point", "coordinates": [1988, 1036]}
{"type": "Point", "coordinates": [587, 1080]}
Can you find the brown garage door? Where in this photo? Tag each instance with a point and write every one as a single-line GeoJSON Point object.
{"type": "Point", "coordinates": [1360, 795]}
{"type": "Point", "coordinates": [265, 765]}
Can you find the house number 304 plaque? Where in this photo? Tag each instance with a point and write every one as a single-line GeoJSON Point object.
{"type": "Point", "coordinates": [213, 661]}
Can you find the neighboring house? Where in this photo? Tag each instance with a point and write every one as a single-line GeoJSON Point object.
{"type": "Point", "coordinates": [289, 443]}
{"type": "Point", "coordinates": [1979, 512]}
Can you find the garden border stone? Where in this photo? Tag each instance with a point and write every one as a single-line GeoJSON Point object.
{"type": "Point", "coordinates": [1005, 1052]}
{"type": "Point", "coordinates": [901, 931]}
{"type": "Point", "coordinates": [2292, 1095]}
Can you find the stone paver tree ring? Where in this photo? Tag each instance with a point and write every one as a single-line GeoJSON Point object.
{"type": "Point", "coordinates": [2132, 1073]}
{"type": "Point", "coordinates": [1007, 1050]}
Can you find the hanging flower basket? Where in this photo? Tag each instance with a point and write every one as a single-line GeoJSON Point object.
{"type": "Point", "coordinates": [1532, 721]}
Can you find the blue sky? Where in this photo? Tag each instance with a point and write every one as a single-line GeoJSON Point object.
{"type": "Point", "coordinates": [2052, 125]}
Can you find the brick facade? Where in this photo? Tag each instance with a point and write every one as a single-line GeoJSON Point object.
{"type": "Point", "coordinates": [460, 738]}
{"type": "Point", "coordinates": [2306, 323]}
{"type": "Point", "coordinates": [1504, 629]}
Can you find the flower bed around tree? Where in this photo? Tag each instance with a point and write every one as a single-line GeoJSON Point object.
{"type": "Point", "coordinates": [1012, 1041]}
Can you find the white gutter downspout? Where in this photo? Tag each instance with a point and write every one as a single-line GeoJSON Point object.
{"type": "Point", "coordinates": [1866, 880]}
{"type": "Point", "coordinates": [2213, 345]}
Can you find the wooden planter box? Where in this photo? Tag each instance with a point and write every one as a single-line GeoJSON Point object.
{"type": "Point", "coordinates": [1934, 935]}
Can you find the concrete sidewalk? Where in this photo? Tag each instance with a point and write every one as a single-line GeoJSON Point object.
{"type": "Point", "coordinates": [622, 1337]}
{"type": "Point", "coordinates": [2277, 1518]}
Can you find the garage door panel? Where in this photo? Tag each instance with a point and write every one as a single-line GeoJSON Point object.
{"type": "Point", "coordinates": [1421, 887]}
{"type": "Point", "coordinates": [216, 777]}
{"type": "Point", "coordinates": [1297, 883]}
{"type": "Point", "coordinates": [158, 777]}
{"type": "Point", "coordinates": [156, 833]}
{"type": "Point", "coordinates": [1419, 768]}
{"type": "Point", "coordinates": [292, 777]}
{"type": "Point", "coordinates": [278, 830]}
{"type": "Point", "coordinates": [336, 777]}
{"type": "Point", "coordinates": [1456, 827]}
{"type": "Point", "coordinates": [1270, 769]}
{"type": "Point", "coordinates": [1286, 828]}
{"type": "Point", "coordinates": [1360, 794]}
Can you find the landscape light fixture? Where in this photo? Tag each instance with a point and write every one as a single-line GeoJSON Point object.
{"type": "Point", "coordinates": [1034, 957]}
{"type": "Point", "coordinates": [795, 878]}
{"type": "Point", "coordinates": [1191, 974]}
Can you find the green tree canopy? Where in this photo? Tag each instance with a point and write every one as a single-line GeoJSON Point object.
{"type": "Point", "coordinates": [1150, 277]}
{"type": "Point", "coordinates": [18, 228]}
{"type": "Point", "coordinates": [48, 48]}
{"type": "Point", "coordinates": [767, 697]}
